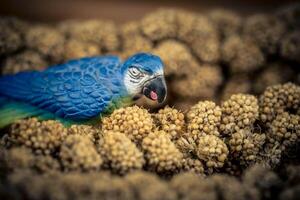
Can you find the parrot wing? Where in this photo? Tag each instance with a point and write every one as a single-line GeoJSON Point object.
{"type": "Point", "coordinates": [77, 90]}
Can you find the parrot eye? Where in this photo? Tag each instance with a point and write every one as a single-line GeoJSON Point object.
{"type": "Point", "coordinates": [135, 73]}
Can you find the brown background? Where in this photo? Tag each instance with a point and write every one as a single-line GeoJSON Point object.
{"type": "Point", "coordinates": [120, 11]}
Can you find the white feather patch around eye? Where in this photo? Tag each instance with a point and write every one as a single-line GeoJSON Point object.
{"type": "Point", "coordinates": [134, 84]}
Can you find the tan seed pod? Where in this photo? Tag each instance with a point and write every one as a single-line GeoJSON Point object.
{"type": "Point", "coordinates": [104, 34]}
{"type": "Point", "coordinates": [212, 151]}
{"type": "Point", "coordinates": [46, 164]}
{"type": "Point", "coordinates": [93, 133]}
{"type": "Point", "coordinates": [120, 153]}
{"type": "Point", "coordinates": [278, 99]}
{"type": "Point", "coordinates": [46, 40]}
{"type": "Point", "coordinates": [245, 146]}
{"type": "Point", "coordinates": [238, 112]}
{"type": "Point", "coordinates": [161, 153]}
{"type": "Point", "coordinates": [193, 165]}
{"type": "Point", "coordinates": [11, 36]}
{"type": "Point", "coordinates": [200, 34]}
{"type": "Point", "coordinates": [160, 24]}
{"type": "Point", "coordinates": [171, 121]}
{"type": "Point", "coordinates": [42, 137]}
{"type": "Point", "coordinates": [27, 60]}
{"type": "Point", "coordinates": [285, 129]}
{"type": "Point", "coordinates": [133, 121]}
{"type": "Point", "coordinates": [202, 82]}
{"type": "Point", "coordinates": [78, 152]}
{"type": "Point", "coordinates": [265, 30]}
{"type": "Point", "coordinates": [168, 51]}
{"type": "Point", "coordinates": [78, 49]}
{"type": "Point", "coordinates": [146, 186]}
{"type": "Point", "coordinates": [204, 119]}
{"type": "Point", "coordinates": [242, 55]}
{"type": "Point", "coordinates": [227, 22]}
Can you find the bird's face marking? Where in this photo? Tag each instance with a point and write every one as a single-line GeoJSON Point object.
{"type": "Point", "coordinates": [135, 79]}
{"type": "Point", "coordinates": [145, 77]}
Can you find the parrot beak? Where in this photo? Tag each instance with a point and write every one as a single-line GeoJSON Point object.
{"type": "Point", "coordinates": [156, 89]}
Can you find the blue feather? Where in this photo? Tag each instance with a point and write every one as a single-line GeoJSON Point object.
{"type": "Point", "coordinates": [61, 88]}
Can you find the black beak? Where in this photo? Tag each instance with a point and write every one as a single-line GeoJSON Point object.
{"type": "Point", "coordinates": [156, 89]}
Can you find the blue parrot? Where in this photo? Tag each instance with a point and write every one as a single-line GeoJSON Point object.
{"type": "Point", "coordinates": [81, 90]}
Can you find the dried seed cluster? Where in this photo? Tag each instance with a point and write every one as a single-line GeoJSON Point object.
{"type": "Point", "coordinates": [160, 24]}
{"type": "Point", "coordinates": [272, 154]}
{"type": "Point", "coordinates": [104, 34]}
{"type": "Point", "coordinates": [27, 60]}
{"type": "Point", "coordinates": [187, 145]}
{"type": "Point", "coordinates": [204, 119]}
{"type": "Point", "coordinates": [238, 112]}
{"type": "Point", "coordinates": [193, 166]}
{"type": "Point", "coordinates": [91, 132]}
{"type": "Point", "coordinates": [183, 182]}
{"type": "Point", "coordinates": [187, 27]}
{"type": "Point", "coordinates": [212, 151]}
{"type": "Point", "coordinates": [12, 33]}
{"type": "Point", "coordinates": [42, 137]}
{"type": "Point", "coordinates": [227, 22]}
{"type": "Point", "coordinates": [16, 158]}
{"type": "Point", "coordinates": [278, 99]}
{"type": "Point", "coordinates": [171, 121]}
{"type": "Point", "coordinates": [77, 152]}
{"type": "Point", "coordinates": [78, 49]}
{"type": "Point", "coordinates": [147, 186]}
{"type": "Point", "coordinates": [168, 51]}
{"type": "Point", "coordinates": [265, 31]}
{"type": "Point", "coordinates": [241, 54]}
{"type": "Point", "coordinates": [120, 153]}
{"type": "Point", "coordinates": [133, 121]}
{"type": "Point", "coordinates": [198, 32]}
{"type": "Point", "coordinates": [46, 164]}
{"type": "Point", "coordinates": [245, 145]}
{"type": "Point", "coordinates": [135, 43]}
{"type": "Point", "coordinates": [202, 82]}
{"type": "Point", "coordinates": [161, 153]}
{"type": "Point", "coordinates": [46, 40]}
{"type": "Point", "coordinates": [285, 129]}
{"type": "Point", "coordinates": [133, 40]}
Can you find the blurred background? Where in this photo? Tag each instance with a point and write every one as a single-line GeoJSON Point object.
{"type": "Point", "coordinates": [120, 11]}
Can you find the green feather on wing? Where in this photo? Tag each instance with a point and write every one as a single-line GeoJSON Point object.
{"type": "Point", "coordinates": [11, 111]}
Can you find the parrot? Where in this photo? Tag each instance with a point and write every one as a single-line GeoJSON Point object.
{"type": "Point", "coordinates": [81, 91]}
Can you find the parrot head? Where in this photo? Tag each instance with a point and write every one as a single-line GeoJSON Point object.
{"type": "Point", "coordinates": [144, 76]}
